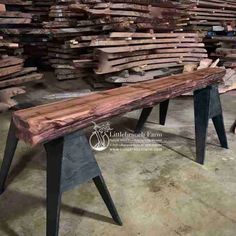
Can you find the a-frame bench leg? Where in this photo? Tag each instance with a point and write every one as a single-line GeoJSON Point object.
{"type": "Point", "coordinates": [70, 163]}
{"type": "Point", "coordinates": [207, 106]}
{"type": "Point", "coordinates": [218, 122]}
{"type": "Point", "coordinates": [146, 113]}
{"type": "Point", "coordinates": [143, 118]}
{"type": "Point", "coordinates": [163, 111]}
{"type": "Point", "coordinates": [9, 153]}
{"type": "Point", "coordinates": [103, 190]}
{"type": "Point", "coordinates": [233, 127]}
{"type": "Point", "coordinates": [54, 151]}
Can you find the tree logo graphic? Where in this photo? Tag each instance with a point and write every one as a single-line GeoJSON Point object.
{"type": "Point", "coordinates": [99, 139]}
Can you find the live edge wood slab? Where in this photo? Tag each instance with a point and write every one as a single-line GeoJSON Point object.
{"type": "Point", "coordinates": [45, 123]}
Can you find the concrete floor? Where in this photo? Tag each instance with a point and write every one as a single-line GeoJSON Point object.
{"type": "Point", "coordinates": [157, 193]}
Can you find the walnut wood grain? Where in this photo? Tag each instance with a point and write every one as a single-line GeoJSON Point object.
{"type": "Point", "coordinates": [47, 122]}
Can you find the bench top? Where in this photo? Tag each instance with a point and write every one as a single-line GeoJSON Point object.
{"type": "Point", "coordinates": [47, 122]}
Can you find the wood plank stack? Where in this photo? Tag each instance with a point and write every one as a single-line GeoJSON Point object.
{"type": "Point", "coordinates": [12, 72]}
{"type": "Point", "coordinates": [215, 20]}
{"type": "Point", "coordinates": [145, 52]}
{"type": "Point", "coordinates": [225, 50]}
{"type": "Point", "coordinates": [228, 81]}
{"type": "Point", "coordinates": [202, 15]}
{"type": "Point", "coordinates": [22, 23]}
{"type": "Point", "coordinates": [136, 37]}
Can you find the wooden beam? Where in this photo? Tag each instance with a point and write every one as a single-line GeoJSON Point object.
{"type": "Point", "coordinates": [47, 122]}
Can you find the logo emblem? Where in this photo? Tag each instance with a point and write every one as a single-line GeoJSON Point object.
{"type": "Point", "coordinates": [99, 139]}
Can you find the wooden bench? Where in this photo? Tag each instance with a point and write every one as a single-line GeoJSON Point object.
{"type": "Point", "coordinates": [70, 161]}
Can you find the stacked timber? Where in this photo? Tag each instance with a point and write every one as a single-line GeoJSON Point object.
{"type": "Point", "coordinates": [22, 23]}
{"type": "Point", "coordinates": [13, 74]}
{"type": "Point", "coordinates": [146, 54]}
{"type": "Point", "coordinates": [64, 26]}
{"type": "Point", "coordinates": [215, 20]}
{"type": "Point", "coordinates": [202, 16]}
{"type": "Point", "coordinates": [229, 81]}
{"type": "Point", "coordinates": [226, 53]}
{"type": "Point", "coordinates": [225, 50]}
{"type": "Point", "coordinates": [128, 41]}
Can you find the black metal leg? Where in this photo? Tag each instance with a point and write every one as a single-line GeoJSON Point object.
{"type": "Point", "coordinates": [54, 151]}
{"type": "Point", "coordinates": [207, 106]}
{"type": "Point", "coordinates": [233, 128]}
{"type": "Point", "coordinates": [201, 111]}
{"type": "Point", "coordinates": [216, 114]}
{"type": "Point", "coordinates": [163, 111]}
{"type": "Point", "coordinates": [9, 153]}
{"type": "Point", "coordinates": [71, 162]}
{"type": "Point", "coordinates": [143, 118]}
{"type": "Point", "coordinates": [102, 188]}
{"type": "Point", "coordinates": [218, 122]}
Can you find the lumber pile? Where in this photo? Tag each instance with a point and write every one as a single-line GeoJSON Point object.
{"type": "Point", "coordinates": [124, 42]}
{"type": "Point", "coordinates": [203, 15]}
{"type": "Point", "coordinates": [229, 80]}
{"type": "Point", "coordinates": [13, 74]}
{"type": "Point", "coordinates": [146, 52]}
{"type": "Point", "coordinates": [22, 23]}
{"type": "Point", "coordinates": [225, 50]}
{"type": "Point", "coordinates": [45, 123]}
{"type": "Point", "coordinates": [215, 20]}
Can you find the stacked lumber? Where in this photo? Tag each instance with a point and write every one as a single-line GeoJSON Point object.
{"type": "Point", "coordinates": [133, 14]}
{"type": "Point", "coordinates": [215, 20]}
{"type": "Point", "coordinates": [124, 42]}
{"type": "Point", "coordinates": [202, 15]}
{"type": "Point", "coordinates": [228, 81]}
{"type": "Point", "coordinates": [13, 74]}
{"type": "Point", "coordinates": [146, 52]}
{"type": "Point", "coordinates": [225, 50]}
{"type": "Point", "coordinates": [22, 23]}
